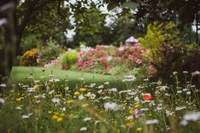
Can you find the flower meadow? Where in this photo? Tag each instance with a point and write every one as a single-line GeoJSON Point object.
{"type": "Point", "coordinates": [51, 105]}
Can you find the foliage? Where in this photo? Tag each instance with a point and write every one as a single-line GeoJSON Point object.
{"type": "Point", "coordinates": [164, 50]}
{"type": "Point", "coordinates": [69, 58]}
{"type": "Point", "coordinates": [191, 62]}
{"type": "Point", "coordinates": [89, 25]}
{"type": "Point", "coordinates": [51, 105]}
{"type": "Point", "coordinates": [119, 70]}
{"type": "Point", "coordinates": [28, 43]}
{"type": "Point", "coordinates": [29, 57]}
{"type": "Point", "coordinates": [49, 53]}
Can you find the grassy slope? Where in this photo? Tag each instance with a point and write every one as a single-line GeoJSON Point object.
{"type": "Point", "coordinates": [21, 73]}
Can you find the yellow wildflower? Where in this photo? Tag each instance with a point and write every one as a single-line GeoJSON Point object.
{"type": "Point", "coordinates": [36, 86]}
{"type": "Point", "coordinates": [149, 114]}
{"type": "Point", "coordinates": [137, 105]}
{"type": "Point", "coordinates": [59, 119]}
{"type": "Point", "coordinates": [76, 93]}
{"type": "Point", "coordinates": [85, 105]}
{"type": "Point", "coordinates": [131, 111]}
{"type": "Point", "coordinates": [49, 112]}
{"type": "Point", "coordinates": [139, 129]}
{"type": "Point", "coordinates": [83, 89]}
{"type": "Point", "coordinates": [18, 99]}
{"type": "Point", "coordinates": [69, 101]}
{"type": "Point", "coordinates": [55, 117]}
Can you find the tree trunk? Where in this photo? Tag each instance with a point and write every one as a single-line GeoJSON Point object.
{"type": "Point", "coordinates": [7, 51]}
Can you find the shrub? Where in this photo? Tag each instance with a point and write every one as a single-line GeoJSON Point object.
{"type": "Point", "coordinates": [69, 58]}
{"type": "Point", "coordinates": [119, 70]}
{"type": "Point", "coordinates": [29, 58]}
{"type": "Point", "coordinates": [28, 43]}
{"type": "Point", "coordinates": [48, 54]}
{"type": "Point", "coordinates": [165, 51]}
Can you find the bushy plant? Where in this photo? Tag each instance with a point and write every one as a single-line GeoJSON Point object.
{"type": "Point", "coordinates": [119, 70]}
{"type": "Point", "coordinates": [191, 61]}
{"type": "Point", "coordinates": [165, 51]}
{"type": "Point", "coordinates": [28, 43]}
{"type": "Point", "coordinates": [29, 57]}
{"type": "Point", "coordinates": [49, 53]}
{"type": "Point", "coordinates": [69, 58]}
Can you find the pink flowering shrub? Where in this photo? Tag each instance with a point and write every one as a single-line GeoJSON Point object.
{"type": "Point", "coordinates": [104, 58]}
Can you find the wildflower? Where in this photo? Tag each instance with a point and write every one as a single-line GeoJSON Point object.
{"type": "Point", "coordinates": [69, 101]}
{"type": "Point", "coordinates": [30, 90]}
{"type": "Point", "coordinates": [175, 73]}
{"type": "Point", "coordinates": [83, 129]}
{"type": "Point", "coordinates": [56, 80]}
{"type": "Point", "coordinates": [2, 101]}
{"type": "Point", "coordinates": [106, 83]}
{"type": "Point", "coordinates": [76, 93]}
{"type": "Point", "coordinates": [81, 97]}
{"type": "Point", "coordinates": [180, 108]}
{"type": "Point", "coordinates": [87, 119]}
{"type": "Point", "coordinates": [49, 112]}
{"type": "Point", "coordinates": [136, 113]}
{"type": "Point", "coordinates": [110, 106]}
{"type": "Point", "coordinates": [188, 92]}
{"type": "Point", "coordinates": [92, 85]}
{"type": "Point", "coordinates": [131, 111]}
{"type": "Point", "coordinates": [83, 89]}
{"type": "Point", "coordinates": [27, 116]}
{"type": "Point", "coordinates": [54, 117]}
{"type": "Point", "coordinates": [85, 105]}
{"type": "Point", "coordinates": [18, 107]}
{"type": "Point", "coordinates": [137, 105]}
{"type": "Point", "coordinates": [136, 99]}
{"type": "Point", "coordinates": [138, 129]}
{"type": "Point", "coordinates": [59, 119]}
{"type": "Point", "coordinates": [147, 96]}
{"type": "Point", "coordinates": [36, 86]}
{"type": "Point", "coordinates": [18, 99]}
{"type": "Point", "coordinates": [51, 92]}
{"type": "Point", "coordinates": [129, 78]}
{"type": "Point", "coordinates": [192, 116]}
{"type": "Point", "coordinates": [113, 90]}
{"type": "Point", "coordinates": [3, 85]}
{"type": "Point", "coordinates": [154, 121]}
{"type": "Point", "coordinates": [66, 88]}
{"type": "Point", "coordinates": [55, 100]}
{"type": "Point", "coordinates": [101, 86]}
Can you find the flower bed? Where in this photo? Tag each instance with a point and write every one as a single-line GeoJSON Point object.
{"type": "Point", "coordinates": [107, 57]}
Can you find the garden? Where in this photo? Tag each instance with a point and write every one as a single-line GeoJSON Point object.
{"type": "Point", "coordinates": [107, 79]}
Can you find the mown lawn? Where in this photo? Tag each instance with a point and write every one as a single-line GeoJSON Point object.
{"type": "Point", "coordinates": [27, 74]}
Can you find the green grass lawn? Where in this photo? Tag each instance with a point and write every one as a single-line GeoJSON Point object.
{"type": "Point", "coordinates": [23, 74]}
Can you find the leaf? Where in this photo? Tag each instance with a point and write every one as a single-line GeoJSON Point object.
{"type": "Point", "coordinates": [130, 5]}
{"type": "Point", "coordinates": [112, 5]}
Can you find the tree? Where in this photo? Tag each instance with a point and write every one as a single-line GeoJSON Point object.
{"type": "Point", "coordinates": [182, 12]}
{"type": "Point", "coordinates": [89, 23]}
{"type": "Point", "coordinates": [7, 46]}
{"type": "Point", "coordinates": [18, 16]}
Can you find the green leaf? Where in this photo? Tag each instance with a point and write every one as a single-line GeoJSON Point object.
{"type": "Point", "coordinates": [131, 5]}
{"type": "Point", "coordinates": [112, 5]}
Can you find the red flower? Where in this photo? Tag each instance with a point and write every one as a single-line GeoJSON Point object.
{"type": "Point", "coordinates": [147, 96]}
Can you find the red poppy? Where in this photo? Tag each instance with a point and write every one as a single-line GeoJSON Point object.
{"type": "Point", "coordinates": [147, 96]}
